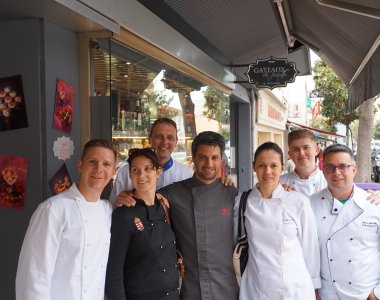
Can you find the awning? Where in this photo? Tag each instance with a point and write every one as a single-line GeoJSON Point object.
{"type": "Point", "coordinates": [315, 129]}
{"type": "Point", "coordinates": [346, 35]}
{"type": "Point", "coordinates": [241, 32]}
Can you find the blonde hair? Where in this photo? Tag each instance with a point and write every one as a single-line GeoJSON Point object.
{"type": "Point", "coordinates": [301, 134]}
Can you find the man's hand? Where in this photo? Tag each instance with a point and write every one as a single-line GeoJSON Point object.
{"type": "Point", "coordinates": [374, 197]}
{"type": "Point", "coordinates": [125, 199]}
{"type": "Point", "coordinates": [372, 296]}
{"type": "Point", "coordinates": [164, 200]}
{"type": "Point", "coordinates": [288, 188]}
{"type": "Point", "coordinates": [227, 181]}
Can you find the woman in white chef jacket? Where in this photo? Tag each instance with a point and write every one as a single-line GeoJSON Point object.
{"type": "Point", "coordinates": [283, 244]}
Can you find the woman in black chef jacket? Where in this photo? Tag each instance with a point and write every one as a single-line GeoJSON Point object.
{"type": "Point", "coordinates": [142, 259]}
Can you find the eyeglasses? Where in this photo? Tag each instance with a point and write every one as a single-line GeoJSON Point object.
{"type": "Point", "coordinates": [136, 151]}
{"type": "Point", "coordinates": [340, 167]}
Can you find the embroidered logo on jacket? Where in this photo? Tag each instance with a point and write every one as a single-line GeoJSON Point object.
{"type": "Point", "coordinates": [225, 212]}
{"type": "Point", "coordinates": [139, 224]}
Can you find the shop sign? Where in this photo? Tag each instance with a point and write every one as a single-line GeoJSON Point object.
{"type": "Point", "coordinates": [63, 148]}
{"type": "Point", "coordinates": [271, 72]}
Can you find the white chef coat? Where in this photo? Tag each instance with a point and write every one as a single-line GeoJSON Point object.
{"type": "Point", "coordinates": [176, 172]}
{"type": "Point", "coordinates": [283, 247]}
{"type": "Point", "coordinates": [350, 245]}
{"type": "Point", "coordinates": [65, 250]}
{"type": "Point", "coordinates": [308, 187]}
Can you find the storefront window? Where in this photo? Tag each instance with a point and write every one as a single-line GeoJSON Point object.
{"type": "Point", "coordinates": [141, 90]}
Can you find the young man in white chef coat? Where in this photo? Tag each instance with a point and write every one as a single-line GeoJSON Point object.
{"type": "Point", "coordinates": [348, 230]}
{"type": "Point", "coordinates": [306, 178]}
{"type": "Point", "coordinates": [65, 250]}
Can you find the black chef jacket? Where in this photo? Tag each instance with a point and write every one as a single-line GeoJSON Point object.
{"type": "Point", "coordinates": [142, 259]}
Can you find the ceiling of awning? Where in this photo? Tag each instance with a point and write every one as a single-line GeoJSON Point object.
{"type": "Point", "coordinates": [240, 32]}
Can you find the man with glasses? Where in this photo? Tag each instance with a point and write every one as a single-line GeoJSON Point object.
{"type": "Point", "coordinates": [163, 139]}
{"type": "Point", "coordinates": [348, 230]}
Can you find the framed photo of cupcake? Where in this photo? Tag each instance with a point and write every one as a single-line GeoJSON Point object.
{"type": "Point", "coordinates": [61, 180]}
{"type": "Point", "coordinates": [12, 104]}
{"type": "Point", "coordinates": [13, 171]}
{"type": "Point", "coordinates": [64, 106]}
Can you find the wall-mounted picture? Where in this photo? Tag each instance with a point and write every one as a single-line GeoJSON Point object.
{"type": "Point", "coordinates": [12, 104]}
{"type": "Point", "coordinates": [13, 170]}
{"type": "Point", "coordinates": [61, 181]}
{"type": "Point", "coordinates": [64, 106]}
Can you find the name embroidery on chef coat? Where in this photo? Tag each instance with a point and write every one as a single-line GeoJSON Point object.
{"type": "Point", "coordinates": [139, 224]}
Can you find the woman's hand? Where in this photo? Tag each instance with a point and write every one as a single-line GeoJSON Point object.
{"type": "Point", "coordinates": [374, 197]}
{"type": "Point", "coordinates": [227, 181]}
{"type": "Point", "coordinates": [125, 199]}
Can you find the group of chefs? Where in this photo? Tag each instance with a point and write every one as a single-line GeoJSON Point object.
{"type": "Point", "coordinates": [202, 212]}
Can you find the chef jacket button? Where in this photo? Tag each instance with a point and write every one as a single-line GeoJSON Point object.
{"type": "Point", "coordinates": [175, 266]}
{"type": "Point", "coordinates": [349, 282]}
{"type": "Point", "coordinates": [260, 273]}
{"type": "Point", "coordinates": [167, 294]}
{"type": "Point", "coordinates": [335, 209]}
{"type": "Point", "coordinates": [323, 198]}
{"type": "Point", "coordinates": [331, 259]}
{"type": "Point", "coordinates": [349, 260]}
{"type": "Point", "coordinates": [351, 239]}
{"type": "Point", "coordinates": [324, 217]}
{"type": "Point", "coordinates": [151, 224]}
{"type": "Point", "coordinates": [328, 239]}
{"type": "Point", "coordinates": [164, 270]}
{"type": "Point", "coordinates": [174, 242]}
{"type": "Point", "coordinates": [165, 220]}
{"type": "Point", "coordinates": [333, 281]}
{"type": "Point", "coordinates": [161, 247]}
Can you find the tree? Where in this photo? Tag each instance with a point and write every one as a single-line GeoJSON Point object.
{"type": "Point", "coordinates": [322, 122]}
{"type": "Point", "coordinates": [335, 95]}
{"type": "Point", "coordinates": [216, 105]}
{"type": "Point", "coordinates": [376, 131]}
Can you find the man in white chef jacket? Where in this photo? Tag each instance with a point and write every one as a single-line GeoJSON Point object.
{"type": "Point", "coordinates": [65, 250]}
{"type": "Point", "coordinates": [348, 230]}
{"type": "Point", "coordinates": [306, 177]}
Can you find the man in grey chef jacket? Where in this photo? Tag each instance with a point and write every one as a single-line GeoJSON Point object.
{"type": "Point", "coordinates": [348, 230]}
{"type": "Point", "coordinates": [201, 210]}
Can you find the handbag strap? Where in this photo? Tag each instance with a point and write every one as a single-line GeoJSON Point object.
{"type": "Point", "coordinates": [242, 206]}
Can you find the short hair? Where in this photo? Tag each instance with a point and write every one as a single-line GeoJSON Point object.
{"type": "Point", "coordinates": [336, 148]}
{"type": "Point", "coordinates": [267, 146]}
{"type": "Point", "coordinates": [163, 121]}
{"type": "Point", "coordinates": [149, 153]}
{"type": "Point", "coordinates": [98, 143]}
{"type": "Point", "coordinates": [208, 138]}
{"type": "Point", "coordinates": [301, 134]}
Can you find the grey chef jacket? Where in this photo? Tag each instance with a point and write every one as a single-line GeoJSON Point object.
{"type": "Point", "coordinates": [202, 220]}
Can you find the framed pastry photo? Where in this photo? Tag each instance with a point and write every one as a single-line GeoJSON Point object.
{"type": "Point", "coordinates": [64, 106]}
{"type": "Point", "coordinates": [61, 180]}
{"type": "Point", "coordinates": [13, 171]}
{"type": "Point", "coordinates": [12, 104]}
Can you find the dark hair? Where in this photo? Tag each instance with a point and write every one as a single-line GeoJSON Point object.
{"type": "Point", "coordinates": [98, 143]}
{"type": "Point", "coordinates": [301, 134]}
{"type": "Point", "coordinates": [149, 153]}
{"type": "Point", "coordinates": [267, 147]}
{"type": "Point", "coordinates": [335, 148]}
{"type": "Point", "coordinates": [208, 138]}
{"type": "Point", "coordinates": [163, 121]}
